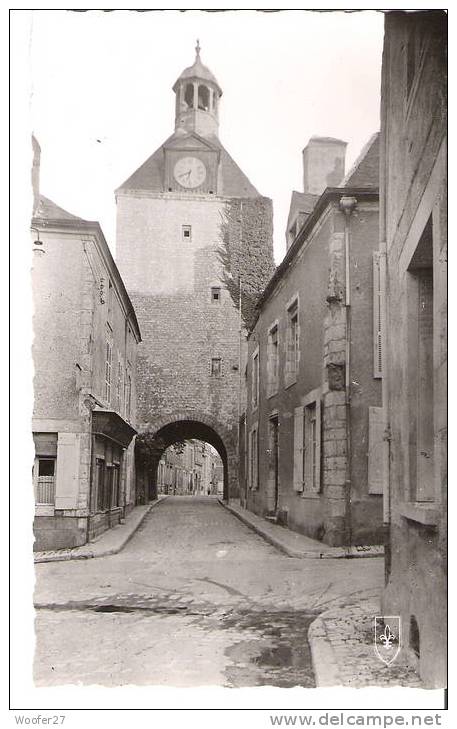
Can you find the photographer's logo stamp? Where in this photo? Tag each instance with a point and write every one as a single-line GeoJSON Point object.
{"type": "Point", "coordinates": [387, 637]}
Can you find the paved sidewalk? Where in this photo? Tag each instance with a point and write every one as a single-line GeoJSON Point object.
{"type": "Point", "coordinates": [343, 653]}
{"type": "Point", "coordinates": [110, 542]}
{"type": "Point", "coordinates": [297, 545]}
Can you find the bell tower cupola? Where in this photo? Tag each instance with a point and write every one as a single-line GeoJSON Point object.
{"type": "Point", "coordinates": [197, 99]}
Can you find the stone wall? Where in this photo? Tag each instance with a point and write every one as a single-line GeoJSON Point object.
{"type": "Point", "coordinates": [317, 276]}
{"type": "Point", "coordinates": [170, 280]}
{"type": "Point", "coordinates": [71, 299]}
{"type": "Point", "coordinates": [413, 196]}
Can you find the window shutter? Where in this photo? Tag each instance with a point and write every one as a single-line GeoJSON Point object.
{"type": "Point", "coordinates": [375, 450]}
{"type": "Point", "coordinates": [289, 349]}
{"type": "Point", "coordinates": [67, 477]}
{"type": "Point", "coordinates": [298, 449]}
{"type": "Point", "coordinates": [378, 298]}
{"type": "Point", "coordinates": [316, 483]}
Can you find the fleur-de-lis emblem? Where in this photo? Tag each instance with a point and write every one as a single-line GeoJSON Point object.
{"type": "Point", "coordinates": [387, 642]}
{"type": "Point", "coordinates": [387, 638]}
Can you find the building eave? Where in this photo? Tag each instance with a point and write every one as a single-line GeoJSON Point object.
{"type": "Point", "coordinates": [92, 227]}
{"type": "Point", "coordinates": [331, 194]}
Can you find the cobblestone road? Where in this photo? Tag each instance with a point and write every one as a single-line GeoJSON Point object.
{"type": "Point", "coordinates": [195, 598]}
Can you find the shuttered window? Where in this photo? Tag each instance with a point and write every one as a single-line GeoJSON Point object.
{"type": "Point", "coordinates": [254, 459]}
{"type": "Point", "coordinates": [292, 345]}
{"type": "Point", "coordinates": [378, 299]}
{"type": "Point", "coordinates": [298, 449]}
{"type": "Point", "coordinates": [307, 448]}
{"type": "Point", "coordinates": [273, 360]}
{"type": "Point", "coordinates": [375, 450]}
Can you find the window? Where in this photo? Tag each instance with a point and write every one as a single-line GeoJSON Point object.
{"type": "Point", "coordinates": [420, 369]}
{"type": "Point", "coordinates": [119, 385]}
{"type": "Point", "coordinates": [108, 367]}
{"type": "Point", "coordinates": [113, 485]}
{"type": "Point", "coordinates": [307, 445]}
{"type": "Point", "coordinates": [44, 469]}
{"type": "Point", "coordinates": [254, 459]}
{"type": "Point", "coordinates": [45, 480]}
{"type": "Point", "coordinates": [378, 302]}
{"type": "Point", "coordinates": [216, 367]}
{"type": "Point", "coordinates": [100, 490]}
{"type": "Point", "coordinates": [255, 380]}
{"type": "Point", "coordinates": [273, 360]}
{"type": "Point", "coordinates": [186, 231]}
{"type": "Point", "coordinates": [292, 345]}
{"type": "Point", "coordinates": [215, 294]}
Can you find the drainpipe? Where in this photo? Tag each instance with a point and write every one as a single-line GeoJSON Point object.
{"type": "Point", "coordinates": [347, 205]}
{"type": "Point", "coordinates": [240, 329]}
{"type": "Point", "coordinates": [91, 476]}
{"type": "Point", "coordinates": [383, 192]}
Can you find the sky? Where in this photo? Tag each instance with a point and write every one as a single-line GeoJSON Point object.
{"type": "Point", "coordinates": [102, 101]}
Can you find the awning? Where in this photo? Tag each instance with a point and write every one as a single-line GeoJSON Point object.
{"type": "Point", "coordinates": [108, 423]}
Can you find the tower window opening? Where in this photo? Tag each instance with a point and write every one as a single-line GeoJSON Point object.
{"type": "Point", "coordinates": [189, 96]}
{"type": "Point", "coordinates": [216, 367]}
{"type": "Point", "coordinates": [215, 294]}
{"type": "Point", "coordinates": [203, 98]}
{"type": "Point", "coordinates": [187, 232]}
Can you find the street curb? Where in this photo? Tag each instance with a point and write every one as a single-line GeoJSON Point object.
{"type": "Point", "coordinates": [329, 553]}
{"type": "Point", "coordinates": [324, 662]}
{"type": "Point", "coordinates": [268, 538]}
{"type": "Point", "coordinates": [87, 553]}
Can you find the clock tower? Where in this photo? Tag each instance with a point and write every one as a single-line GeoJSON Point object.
{"type": "Point", "coordinates": [190, 226]}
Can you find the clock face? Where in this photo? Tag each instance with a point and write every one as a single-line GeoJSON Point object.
{"type": "Point", "coordinates": [189, 172]}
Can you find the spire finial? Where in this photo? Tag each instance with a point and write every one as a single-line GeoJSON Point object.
{"type": "Point", "coordinates": [197, 49]}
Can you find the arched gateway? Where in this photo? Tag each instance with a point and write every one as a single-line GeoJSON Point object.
{"type": "Point", "coordinates": [155, 438]}
{"type": "Point", "coordinates": [190, 228]}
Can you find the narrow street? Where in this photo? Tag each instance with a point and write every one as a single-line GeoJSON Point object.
{"type": "Point", "coordinates": [195, 598]}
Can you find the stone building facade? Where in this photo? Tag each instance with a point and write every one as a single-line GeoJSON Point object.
{"type": "Point", "coordinates": [313, 386]}
{"type": "Point", "coordinates": [190, 227]}
{"type": "Point", "coordinates": [413, 246]}
{"type": "Point", "coordinates": [84, 354]}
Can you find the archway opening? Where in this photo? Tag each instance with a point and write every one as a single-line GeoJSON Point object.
{"type": "Point", "coordinates": [190, 468]}
{"type": "Point", "coordinates": [151, 447]}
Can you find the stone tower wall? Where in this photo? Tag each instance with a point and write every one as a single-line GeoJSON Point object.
{"type": "Point", "coordinates": [169, 279]}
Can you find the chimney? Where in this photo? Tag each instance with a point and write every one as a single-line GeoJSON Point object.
{"type": "Point", "coordinates": [323, 164]}
{"type": "Point", "coordinates": [36, 173]}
